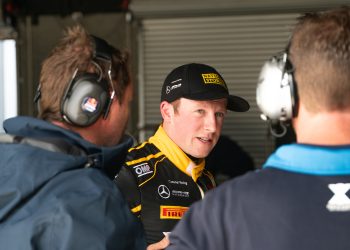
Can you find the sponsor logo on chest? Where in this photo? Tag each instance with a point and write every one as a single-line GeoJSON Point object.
{"type": "Point", "coordinates": [142, 169]}
{"type": "Point", "coordinates": [165, 192]}
{"type": "Point", "coordinates": [172, 212]}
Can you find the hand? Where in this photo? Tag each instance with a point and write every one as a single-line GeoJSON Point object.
{"type": "Point", "coordinates": [160, 244]}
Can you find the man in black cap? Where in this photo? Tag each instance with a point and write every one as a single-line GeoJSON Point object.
{"type": "Point", "coordinates": [164, 175]}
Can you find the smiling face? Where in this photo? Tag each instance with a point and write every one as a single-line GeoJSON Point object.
{"type": "Point", "coordinates": [195, 126]}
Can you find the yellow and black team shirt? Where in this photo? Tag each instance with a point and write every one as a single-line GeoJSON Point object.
{"type": "Point", "coordinates": [160, 182]}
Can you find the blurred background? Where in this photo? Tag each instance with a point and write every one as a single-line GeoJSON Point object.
{"type": "Point", "coordinates": [234, 36]}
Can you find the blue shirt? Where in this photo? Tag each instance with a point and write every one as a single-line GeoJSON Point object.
{"type": "Point", "coordinates": [299, 200]}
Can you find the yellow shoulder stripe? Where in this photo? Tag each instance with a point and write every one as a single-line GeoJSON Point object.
{"type": "Point", "coordinates": [140, 146]}
{"type": "Point", "coordinates": [148, 157]}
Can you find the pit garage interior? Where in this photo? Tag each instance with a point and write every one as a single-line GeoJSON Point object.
{"type": "Point", "coordinates": [234, 36]}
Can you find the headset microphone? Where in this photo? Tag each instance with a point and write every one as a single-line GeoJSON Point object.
{"type": "Point", "coordinates": [278, 129]}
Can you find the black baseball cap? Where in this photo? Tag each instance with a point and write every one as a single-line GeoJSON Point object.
{"type": "Point", "coordinates": [200, 82]}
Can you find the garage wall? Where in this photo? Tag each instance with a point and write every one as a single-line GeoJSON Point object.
{"type": "Point", "coordinates": [171, 8]}
{"type": "Point", "coordinates": [235, 45]}
{"type": "Point", "coordinates": [235, 36]}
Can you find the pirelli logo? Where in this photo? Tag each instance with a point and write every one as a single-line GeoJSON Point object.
{"type": "Point", "coordinates": [172, 212]}
{"type": "Point", "coordinates": [213, 78]}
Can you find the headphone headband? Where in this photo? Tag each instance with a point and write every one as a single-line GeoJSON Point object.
{"type": "Point", "coordinates": [102, 49]}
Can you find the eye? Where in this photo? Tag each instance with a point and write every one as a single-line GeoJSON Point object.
{"type": "Point", "coordinates": [220, 114]}
{"type": "Point", "coordinates": [200, 111]}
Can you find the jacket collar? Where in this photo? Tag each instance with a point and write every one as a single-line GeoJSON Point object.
{"type": "Point", "coordinates": [108, 158]}
{"type": "Point", "coordinates": [162, 141]}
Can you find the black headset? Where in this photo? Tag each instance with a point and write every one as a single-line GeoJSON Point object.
{"type": "Point", "coordinates": [276, 93]}
{"type": "Point", "coordinates": [89, 95]}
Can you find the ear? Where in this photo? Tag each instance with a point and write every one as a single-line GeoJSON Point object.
{"type": "Point", "coordinates": [167, 111]}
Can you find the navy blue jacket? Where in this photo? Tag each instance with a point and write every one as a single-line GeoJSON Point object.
{"type": "Point", "coordinates": [299, 200]}
{"type": "Point", "coordinates": [48, 200]}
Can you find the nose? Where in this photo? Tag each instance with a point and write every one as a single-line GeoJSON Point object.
{"type": "Point", "coordinates": [210, 123]}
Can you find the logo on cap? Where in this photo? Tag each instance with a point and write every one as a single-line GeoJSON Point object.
{"type": "Point", "coordinates": [170, 88]}
{"type": "Point", "coordinates": [213, 78]}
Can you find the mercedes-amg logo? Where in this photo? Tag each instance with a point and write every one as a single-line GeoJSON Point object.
{"type": "Point", "coordinates": [164, 191]}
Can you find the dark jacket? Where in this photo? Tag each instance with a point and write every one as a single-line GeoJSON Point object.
{"type": "Point", "coordinates": [48, 200]}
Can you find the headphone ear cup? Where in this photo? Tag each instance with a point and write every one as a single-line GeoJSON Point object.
{"type": "Point", "coordinates": [275, 94]}
{"type": "Point", "coordinates": [85, 100]}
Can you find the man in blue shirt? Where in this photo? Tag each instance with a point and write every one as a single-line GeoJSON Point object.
{"type": "Point", "coordinates": [300, 199]}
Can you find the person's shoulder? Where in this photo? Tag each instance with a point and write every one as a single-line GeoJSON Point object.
{"type": "Point", "coordinates": [143, 152]}
{"type": "Point", "coordinates": [140, 162]}
{"type": "Point", "coordinates": [87, 179]}
{"type": "Point", "coordinates": [142, 149]}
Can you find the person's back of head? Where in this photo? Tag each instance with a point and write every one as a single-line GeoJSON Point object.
{"type": "Point", "coordinates": [309, 83]}
{"type": "Point", "coordinates": [77, 52]}
{"type": "Point", "coordinates": [79, 80]}
{"type": "Point", "coordinates": [320, 53]}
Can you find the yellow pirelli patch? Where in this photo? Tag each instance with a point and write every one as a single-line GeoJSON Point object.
{"type": "Point", "coordinates": [172, 212]}
{"type": "Point", "coordinates": [213, 78]}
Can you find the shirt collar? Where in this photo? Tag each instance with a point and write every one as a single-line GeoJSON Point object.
{"type": "Point", "coordinates": [311, 159]}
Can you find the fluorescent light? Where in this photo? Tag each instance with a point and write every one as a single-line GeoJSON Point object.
{"type": "Point", "coordinates": [8, 79]}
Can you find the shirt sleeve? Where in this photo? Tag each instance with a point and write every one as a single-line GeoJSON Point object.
{"type": "Point", "coordinates": [128, 185]}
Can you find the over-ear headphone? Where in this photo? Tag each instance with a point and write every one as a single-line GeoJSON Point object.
{"type": "Point", "coordinates": [276, 93]}
{"type": "Point", "coordinates": [89, 95]}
